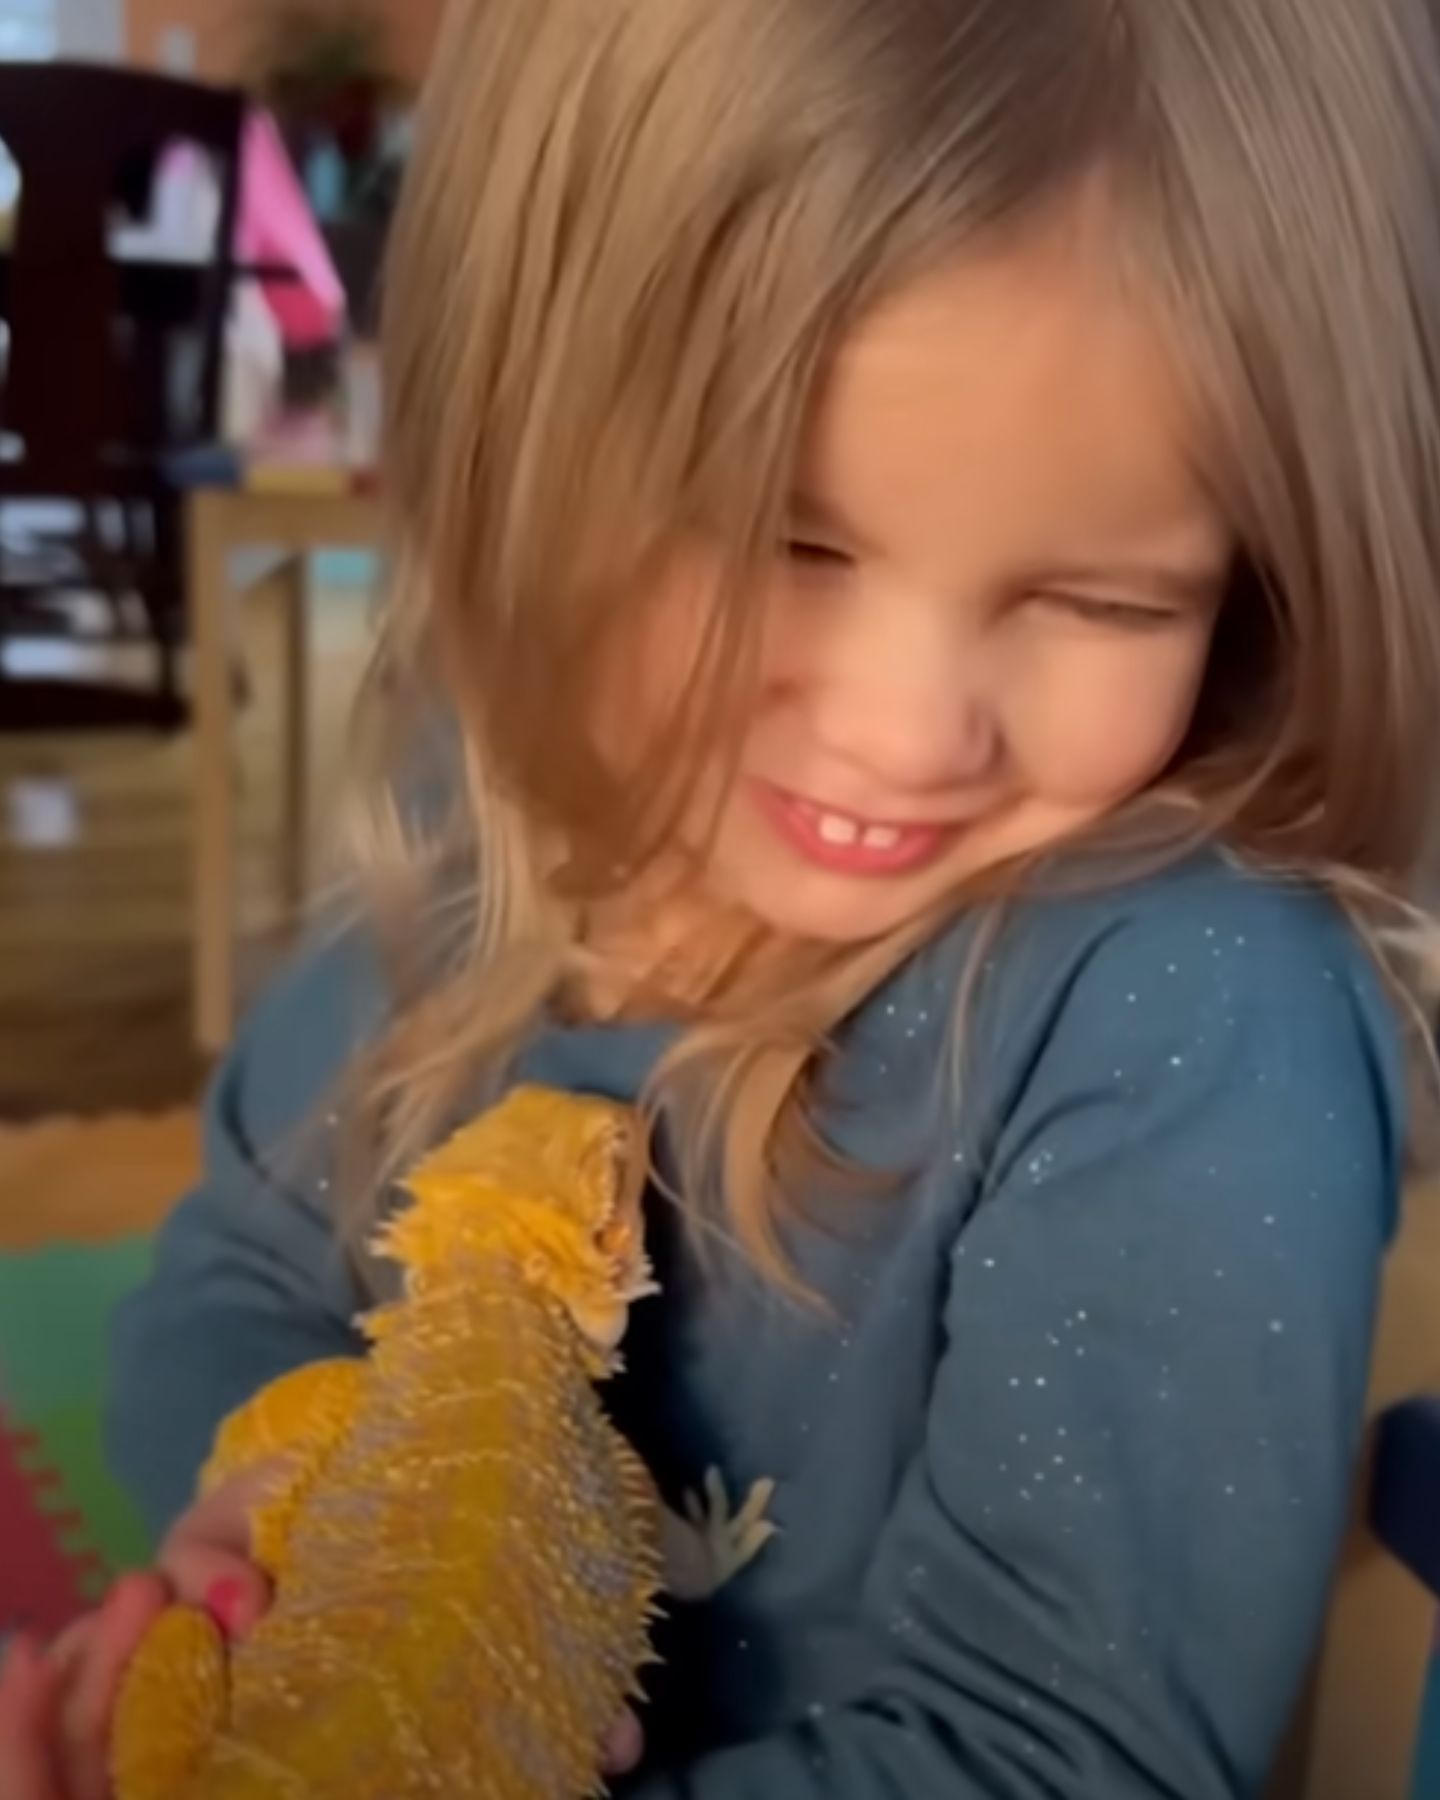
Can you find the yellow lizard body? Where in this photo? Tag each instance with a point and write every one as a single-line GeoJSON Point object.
{"type": "Point", "coordinates": [465, 1552]}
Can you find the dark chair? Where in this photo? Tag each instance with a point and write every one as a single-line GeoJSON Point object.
{"type": "Point", "coordinates": [1405, 1518]}
{"type": "Point", "coordinates": [1405, 1509]}
{"type": "Point", "coordinates": [92, 410]}
{"type": "Point", "coordinates": [1362, 1723]}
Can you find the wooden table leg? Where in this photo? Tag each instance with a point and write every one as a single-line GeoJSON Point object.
{"type": "Point", "coordinates": [295, 741]}
{"type": "Point", "coordinates": [214, 735]}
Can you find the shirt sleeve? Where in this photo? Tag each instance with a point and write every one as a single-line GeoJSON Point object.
{"type": "Point", "coordinates": [249, 1280]}
{"type": "Point", "coordinates": [1106, 1569]}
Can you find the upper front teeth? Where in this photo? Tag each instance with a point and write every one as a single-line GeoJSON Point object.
{"type": "Point", "coordinates": [835, 828]}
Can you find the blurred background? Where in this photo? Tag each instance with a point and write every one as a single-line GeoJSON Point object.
{"type": "Point", "coordinates": [195, 197]}
{"type": "Point", "coordinates": [194, 201]}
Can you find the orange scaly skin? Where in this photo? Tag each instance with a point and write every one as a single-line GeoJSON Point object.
{"type": "Point", "coordinates": [466, 1554]}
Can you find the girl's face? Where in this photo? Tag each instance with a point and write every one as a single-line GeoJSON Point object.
{"type": "Point", "coordinates": [992, 614]}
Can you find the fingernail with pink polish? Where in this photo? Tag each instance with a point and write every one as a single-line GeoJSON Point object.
{"type": "Point", "coordinates": [224, 1601]}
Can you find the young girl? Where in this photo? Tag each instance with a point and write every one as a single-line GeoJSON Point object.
{"type": "Point", "coordinates": [915, 656]}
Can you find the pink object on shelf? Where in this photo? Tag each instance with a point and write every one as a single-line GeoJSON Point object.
{"type": "Point", "coordinates": [276, 225]}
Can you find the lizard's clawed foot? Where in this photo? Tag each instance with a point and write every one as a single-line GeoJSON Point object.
{"type": "Point", "coordinates": [711, 1545]}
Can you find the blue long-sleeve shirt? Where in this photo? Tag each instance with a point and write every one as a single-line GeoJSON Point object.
{"type": "Point", "coordinates": [1064, 1467]}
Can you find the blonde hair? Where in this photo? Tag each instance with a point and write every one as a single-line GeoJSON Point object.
{"type": "Point", "coordinates": [632, 234]}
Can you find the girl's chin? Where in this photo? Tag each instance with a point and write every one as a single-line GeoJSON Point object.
{"type": "Point", "coordinates": [834, 909]}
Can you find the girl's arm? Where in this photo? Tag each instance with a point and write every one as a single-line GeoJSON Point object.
{"type": "Point", "coordinates": [1106, 1570]}
{"type": "Point", "coordinates": [249, 1281]}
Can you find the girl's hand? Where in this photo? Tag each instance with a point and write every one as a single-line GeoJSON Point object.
{"type": "Point", "coordinates": [623, 1748]}
{"type": "Point", "coordinates": [55, 1709]}
{"type": "Point", "coordinates": [207, 1558]}
{"type": "Point", "coordinates": [30, 1726]}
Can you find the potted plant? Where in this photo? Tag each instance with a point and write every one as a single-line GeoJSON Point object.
{"type": "Point", "coordinates": [323, 67]}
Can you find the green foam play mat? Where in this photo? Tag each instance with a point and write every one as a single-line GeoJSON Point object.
{"type": "Point", "coordinates": [66, 1527]}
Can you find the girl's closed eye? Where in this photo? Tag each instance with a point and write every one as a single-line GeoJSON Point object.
{"type": "Point", "coordinates": [814, 554]}
{"type": "Point", "coordinates": [816, 537]}
{"type": "Point", "coordinates": [1122, 615]}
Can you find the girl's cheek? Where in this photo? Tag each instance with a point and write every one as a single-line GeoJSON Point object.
{"type": "Point", "coordinates": [647, 672]}
{"type": "Point", "coordinates": [1096, 737]}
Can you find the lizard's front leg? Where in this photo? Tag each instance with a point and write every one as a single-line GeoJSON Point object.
{"type": "Point", "coordinates": [171, 1707]}
{"type": "Point", "coordinates": [709, 1546]}
{"type": "Point", "coordinates": [295, 1424]}
{"type": "Point", "coordinates": [174, 1700]}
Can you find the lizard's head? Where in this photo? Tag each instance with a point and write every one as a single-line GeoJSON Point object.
{"type": "Point", "coordinates": [554, 1181]}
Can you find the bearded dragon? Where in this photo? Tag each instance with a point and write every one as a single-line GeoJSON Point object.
{"type": "Point", "coordinates": [466, 1555]}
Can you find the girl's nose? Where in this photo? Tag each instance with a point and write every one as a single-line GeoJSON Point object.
{"type": "Point", "coordinates": [904, 703]}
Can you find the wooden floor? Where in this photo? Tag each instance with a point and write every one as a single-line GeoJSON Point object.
{"type": "Point", "coordinates": [95, 883]}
